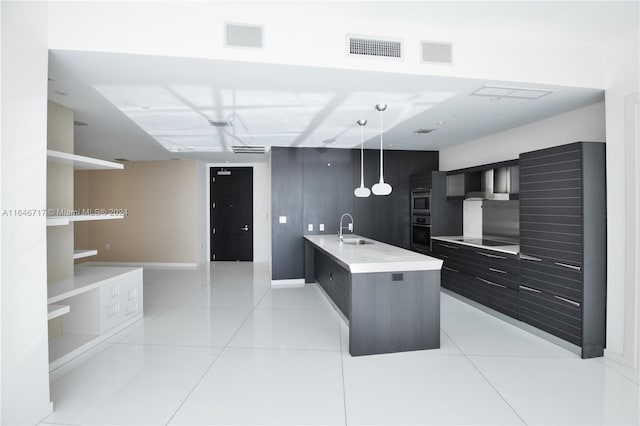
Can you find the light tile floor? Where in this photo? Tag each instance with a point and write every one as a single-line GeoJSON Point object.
{"type": "Point", "coordinates": [219, 346]}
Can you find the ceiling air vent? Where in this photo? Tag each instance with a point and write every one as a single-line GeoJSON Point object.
{"type": "Point", "coordinates": [499, 92]}
{"type": "Point", "coordinates": [122, 160]}
{"type": "Point", "coordinates": [422, 131]}
{"type": "Point", "coordinates": [435, 52]}
{"type": "Point", "coordinates": [244, 35]}
{"type": "Point", "coordinates": [375, 47]}
{"type": "Point", "coordinates": [242, 149]}
{"type": "Point", "coordinates": [215, 123]}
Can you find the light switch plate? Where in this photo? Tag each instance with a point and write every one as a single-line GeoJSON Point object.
{"type": "Point", "coordinates": [310, 227]}
{"type": "Point", "coordinates": [322, 227]}
{"type": "Point", "coordinates": [282, 219]}
{"type": "Point", "coordinates": [351, 227]}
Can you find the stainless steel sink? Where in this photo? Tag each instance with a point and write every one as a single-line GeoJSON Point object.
{"type": "Point", "coordinates": [356, 241]}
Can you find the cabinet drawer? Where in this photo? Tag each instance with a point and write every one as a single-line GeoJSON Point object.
{"type": "Point", "coordinates": [553, 314]}
{"type": "Point", "coordinates": [486, 292]}
{"type": "Point", "coordinates": [567, 259]}
{"type": "Point", "coordinates": [445, 248]}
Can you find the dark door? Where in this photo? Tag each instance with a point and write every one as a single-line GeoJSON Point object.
{"type": "Point", "coordinates": [232, 213]}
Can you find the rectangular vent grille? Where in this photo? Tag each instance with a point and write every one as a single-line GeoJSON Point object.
{"type": "Point", "coordinates": [437, 52]}
{"type": "Point", "coordinates": [239, 149]}
{"type": "Point", "coordinates": [370, 47]}
{"type": "Point", "coordinates": [243, 35]}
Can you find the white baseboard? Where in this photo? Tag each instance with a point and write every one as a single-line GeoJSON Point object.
{"type": "Point", "coordinates": [158, 265]}
{"type": "Point", "coordinates": [298, 282]}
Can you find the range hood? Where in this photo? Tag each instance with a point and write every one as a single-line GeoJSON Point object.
{"type": "Point", "coordinates": [502, 183]}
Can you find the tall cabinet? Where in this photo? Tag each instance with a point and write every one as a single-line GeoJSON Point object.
{"type": "Point", "coordinates": [563, 243]}
{"type": "Point", "coordinates": [86, 304]}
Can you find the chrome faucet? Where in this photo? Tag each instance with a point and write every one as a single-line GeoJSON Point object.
{"type": "Point", "coordinates": [347, 227]}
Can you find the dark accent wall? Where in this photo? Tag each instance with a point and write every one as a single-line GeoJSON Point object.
{"type": "Point", "coordinates": [387, 218]}
{"type": "Point", "coordinates": [287, 248]}
{"type": "Point", "coordinates": [446, 216]}
{"type": "Point", "coordinates": [315, 185]}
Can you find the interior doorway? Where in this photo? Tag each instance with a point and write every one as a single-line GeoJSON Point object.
{"type": "Point", "coordinates": [231, 213]}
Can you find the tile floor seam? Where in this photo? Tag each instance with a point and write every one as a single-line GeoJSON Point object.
{"type": "Point", "coordinates": [344, 387]}
{"type": "Point", "coordinates": [486, 379]}
{"type": "Point", "coordinates": [212, 363]}
{"type": "Point", "coordinates": [621, 374]}
{"type": "Point", "coordinates": [279, 349]}
{"type": "Point", "coordinates": [173, 345]}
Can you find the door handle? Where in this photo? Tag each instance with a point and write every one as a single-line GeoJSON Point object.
{"type": "Point", "coordinates": [566, 265]}
{"type": "Point", "coordinates": [245, 228]}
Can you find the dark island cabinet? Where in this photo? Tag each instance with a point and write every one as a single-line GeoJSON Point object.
{"type": "Point", "coordinates": [335, 280]}
{"type": "Point", "coordinates": [563, 243]}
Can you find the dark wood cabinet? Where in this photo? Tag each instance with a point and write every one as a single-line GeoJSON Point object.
{"type": "Point", "coordinates": [335, 280]}
{"type": "Point", "coordinates": [488, 277]}
{"type": "Point", "coordinates": [563, 243]}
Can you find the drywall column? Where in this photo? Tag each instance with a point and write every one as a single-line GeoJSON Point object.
{"type": "Point", "coordinates": [24, 376]}
{"type": "Point", "coordinates": [621, 71]}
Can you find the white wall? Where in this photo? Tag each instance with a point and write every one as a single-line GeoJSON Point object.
{"type": "Point", "coordinates": [24, 375]}
{"type": "Point", "coordinates": [584, 124]}
{"type": "Point", "coordinates": [622, 79]}
{"type": "Point", "coordinates": [201, 224]}
{"type": "Point", "coordinates": [261, 208]}
{"type": "Point", "coordinates": [292, 38]}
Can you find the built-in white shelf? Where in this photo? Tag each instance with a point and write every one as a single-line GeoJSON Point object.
{"type": "Point", "coordinates": [55, 311]}
{"type": "Point", "coordinates": [86, 278]}
{"type": "Point", "coordinates": [80, 162]}
{"type": "Point", "coordinates": [67, 346]}
{"type": "Point", "coordinates": [79, 254]}
{"type": "Point", "coordinates": [65, 220]}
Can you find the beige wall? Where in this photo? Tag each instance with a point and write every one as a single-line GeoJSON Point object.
{"type": "Point", "coordinates": [59, 192]}
{"type": "Point", "coordinates": [160, 199]}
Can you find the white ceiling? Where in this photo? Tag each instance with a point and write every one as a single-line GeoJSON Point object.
{"type": "Point", "coordinates": [153, 108]}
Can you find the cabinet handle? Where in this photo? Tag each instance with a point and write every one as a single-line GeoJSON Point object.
{"type": "Point", "coordinates": [498, 270]}
{"type": "Point", "coordinates": [567, 300]}
{"type": "Point", "coordinates": [449, 247]}
{"type": "Point", "coordinates": [491, 283]}
{"type": "Point", "coordinates": [564, 265]}
{"type": "Point", "coordinates": [531, 258]}
{"type": "Point", "coordinates": [493, 256]}
{"type": "Point", "coordinates": [450, 269]}
{"type": "Point", "coordinates": [533, 290]}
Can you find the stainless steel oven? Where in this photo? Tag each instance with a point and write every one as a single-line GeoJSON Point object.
{"type": "Point", "coordinates": [421, 233]}
{"type": "Point", "coordinates": [421, 201]}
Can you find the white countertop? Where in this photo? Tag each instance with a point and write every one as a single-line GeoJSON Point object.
{"type": "Point", "coordinates": [511, 249]}
{"type": "Point", "coordinates": [373, 258]}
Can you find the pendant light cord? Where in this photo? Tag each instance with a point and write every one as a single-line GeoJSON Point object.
{"type": "Point", "coordinates": [381, 162]}
{"type": "Point", "coordinates": [361, 156]}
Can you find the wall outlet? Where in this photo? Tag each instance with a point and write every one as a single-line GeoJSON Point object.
{"type": "Point", "coordinates": [351, 227]}
{"type": "Point", "coordinates": [310, 227]}
{"type": "Point", "coordinates": [282, 219]}
{"type": "Point", "coordinates": [107, 246]}
{"type": "Point", "coordinates": [322, 227]}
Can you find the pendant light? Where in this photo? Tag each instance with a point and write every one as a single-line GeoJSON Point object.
{"type": "Point", "coordinates": [381, 188]}
{"type": "Point", "coordinates": [362, 191]}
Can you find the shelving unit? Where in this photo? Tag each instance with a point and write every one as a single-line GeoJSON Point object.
{"type": "Point", "coordinates": [80, 162]}
{"type": "Point", "coordinates": [55, 311]}
{"type": "Point", "coordinates": [99, 301]}
{"type": "Point", "coordinates": [79, 254]}
{"type": "Point", "coordinates": [65, 220]}
{"type": "Point", "coordinates": [86, 304]}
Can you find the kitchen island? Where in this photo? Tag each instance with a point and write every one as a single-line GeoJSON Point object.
{"type": "Point", "coordinates": [389, 296]}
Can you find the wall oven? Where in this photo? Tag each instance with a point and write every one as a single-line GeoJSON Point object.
{"type": "Point", "coordinates": [421, 233]}
{"type": "Point", "coordinates": [421, 201]}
